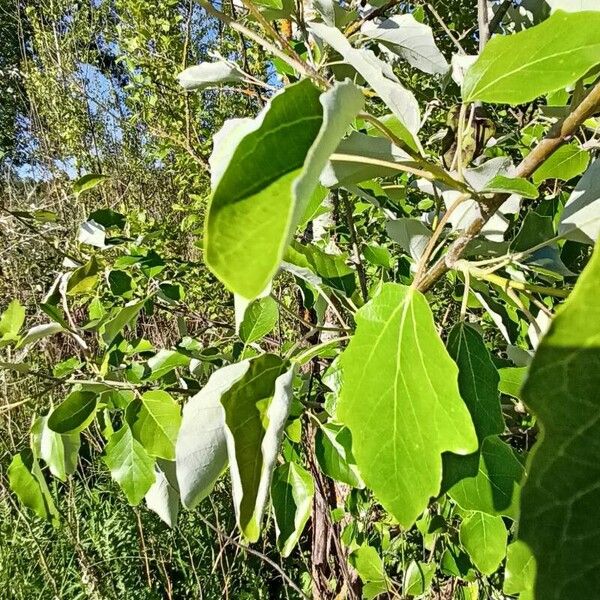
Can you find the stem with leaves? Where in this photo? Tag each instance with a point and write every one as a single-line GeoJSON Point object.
{"type": "Point", "coordinates": [558, 136]}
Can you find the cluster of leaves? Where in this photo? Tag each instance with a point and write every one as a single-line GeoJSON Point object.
{"type": "Point", "coordinates": [417, 385]}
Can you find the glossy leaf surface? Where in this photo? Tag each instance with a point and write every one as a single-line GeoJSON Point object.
{"type": "Point", "coordinates": [401, 402]}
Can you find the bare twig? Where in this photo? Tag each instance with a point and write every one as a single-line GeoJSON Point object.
{"type": "Point", "coordinates": [260, 555]}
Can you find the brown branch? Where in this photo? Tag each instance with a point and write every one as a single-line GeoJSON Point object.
{"type": "Point", "coordinates": [560, 133]}
{"type": "Point", "coordinates": [378, 12]}
{"type": "Point", "coordinates": [497, 18]}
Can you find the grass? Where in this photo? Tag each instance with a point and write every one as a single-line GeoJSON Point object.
{"type": "Point", "coordinates": [105, 549]}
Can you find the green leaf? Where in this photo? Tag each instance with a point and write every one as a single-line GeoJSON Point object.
{"type": "Point", "coordinates": [484, 537]}
{"type": "Point", "coordinates": [580, 220]}
{"type": "Point", "coordinates": [567, 162]}
{"type": "Point", "coordinates": [27, 481]}
{"type": "Point", "coordinates": [488, 483]}
{"type": "Point", "coordinates": [88, 182]}
{"type": "Point", "coordinates": [378, 256]}
{"type": "Point", "coordinates": [123, 317]}
{"type": "Point", "coordinates": [535, 229]}
{"type": "Point", "coordinates": [330, 268]}
{"type": "Point", "coordinates": [477, 379]}
{"type": "Point", "coordinates": [120, 283]}
{"type": "Point", "coordinates": [11, 321]}
{"type": "Point", "coordinates": [333, 449]}
{"type": "Point", "coordinates": [163, 495]}
{"type": "Point", "coordinates": [130, 465]}
{"type": "Point", "coordinates": [260, 317]}
{"type": "Point", "coordinates": [417, 578]}
{"type": "Point", "coordinates": [165, 361]}
{"type": "Point", "coordinates": [401, 402]}
{"type": "Point", "coordinates": [108, 218]}
{"type": "Point", "coordinates": [511, 185]}
{"type": "Point", "coordinates": [518, 68]}
{"type": "Point", "coordinates": [261, 188]}
{"type": "Point", "coordinates": [84, 279]}
{"type": "Point", "coordinates": [292, 491]}
{"type": "Point", "coordinates": [75, 413]}
{"type": "Point", "coordinates": [560, 501]}
{"type": "Point", "coordinates": [511, 381]}
{"type": "Point", "coordinates": [369, 566]}
{"type": "Point", "coordinates": [519, 574]}
{"type": "Point", "coordinates": [58, 451]}
{"type": "Point", "coordinates": [66, 367]}
{"type": "Point", "coordinates": [154, 420]}
{"type": "Point", "coordinates": [256, 409]}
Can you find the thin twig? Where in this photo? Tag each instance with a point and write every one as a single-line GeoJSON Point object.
{"type": "Point", "coordinates": [260, 555]}
{"type": "Point", "coordinates": [443, 25]}
{"type": "Point", "coordinates": [378, 12]}
{"type": "Point", "coordinates": [299, 65]}
{"type": "Point", "coordinates": [559, 135]}
{"type": "Point", "coordinates": [360, 268]}
{"type": "Point", "coordinates": [483, 23]}
{"type": "Point", "coordinates": [308, 324]}
{"type": "Point", "coordinates": [436, 234]}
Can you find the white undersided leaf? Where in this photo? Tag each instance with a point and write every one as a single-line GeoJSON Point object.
{"type": "Point", "coordinates": [574, 5]}
{"type": "Point", "coordinates": [411, 234]}
{"type": "Point", "coordinates": [256, 409]}
{"type": "Point", "coordinates": [409, 39]}
{"type": "Point", "coordinates": [377, 74]}
{"type": "Point", "coordinates": [163, 496]}
{"type": "Point", "coordinates": [580, 220]}
{"type": "Point", "coordinates": [467, 212]}
{"type": "Point", "coordinates": [39, 332]}
{"type": "Point", "coordinates": [343, 172]}
{"type": "Point", "coordinates": [460, 64]}
{"type": "Point", "coordinates": [93, 234]}
{"type": "Point", "coordinates": [206, 74]}
{"type": "Point", "coordinates": [201, 449]}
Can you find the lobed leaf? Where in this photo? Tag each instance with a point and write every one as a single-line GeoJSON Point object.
{"type": "Point", "coordinates": [400, 400]}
